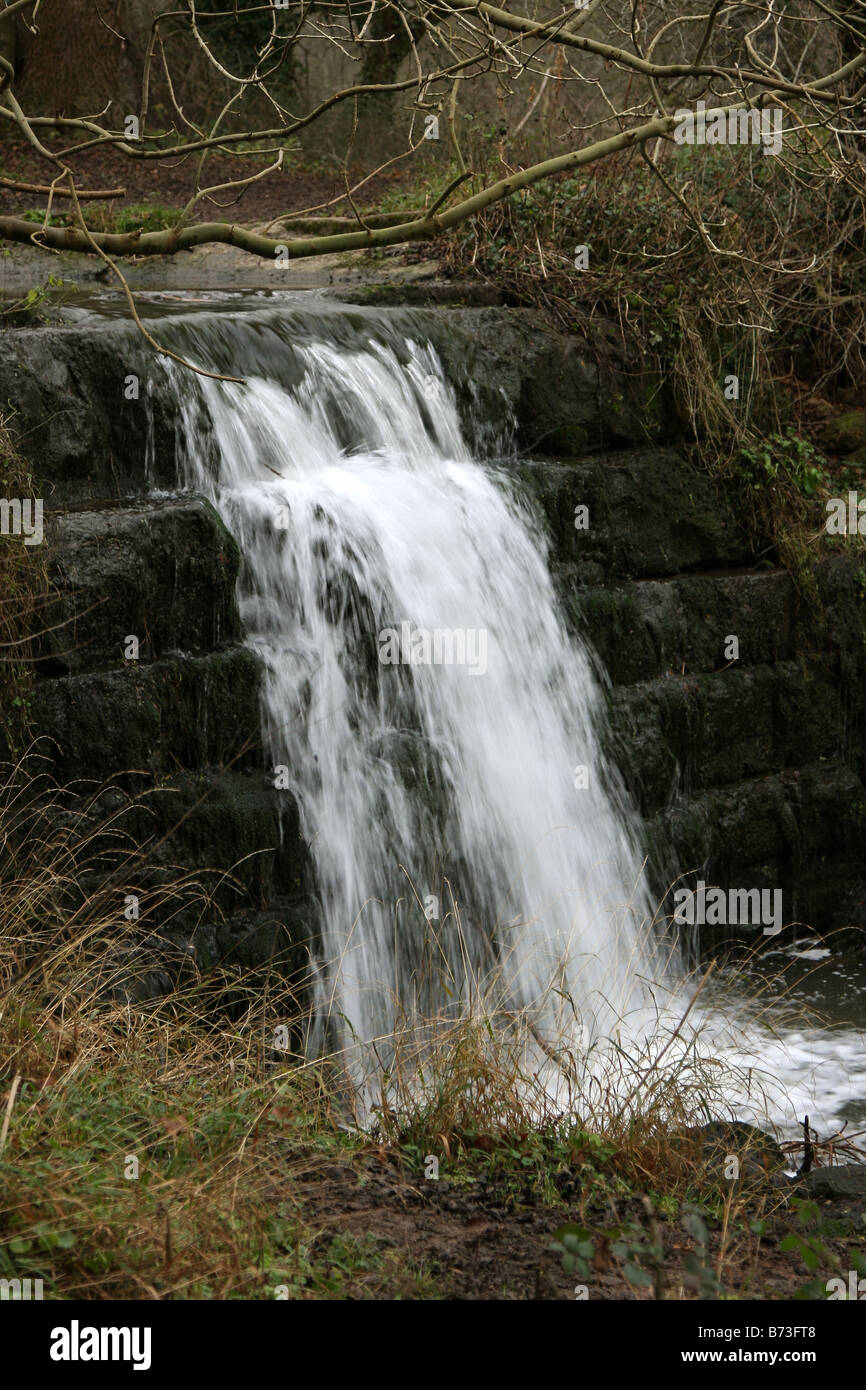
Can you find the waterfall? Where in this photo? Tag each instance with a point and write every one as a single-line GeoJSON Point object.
{"type": "Point", "coordinates": [438, 728]}
{"type": "Point", "coordinates": [421, 697]}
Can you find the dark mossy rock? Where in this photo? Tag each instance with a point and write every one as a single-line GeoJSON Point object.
{"type": "Point", "coordinates": [162, 570]}
{"type": "Point", "coordinates": [279, 935]}
{"type": "Point", "coordinates": [157, 718]}
{"type": "Point", "coordinates": [650, 513]}
{"type": "Point", "coordinates": [563, 393]}
{"type": "Point", "coordinates": [801, 831]}
{"type": "Point", "coordinates": [239, 835]}
{"type": "Point", "coordinates": [644, 629]}
{"type": "Point", "coordinates": [845, 434]}
{"type": "Point", "coordinates": [70, 395]}
{"type": "Point", "coordinates": [247, 945]}
{"type": "Point", "coordinates": [847, 1182]}
{"type": "Point", "coordinates": [714, 1144]}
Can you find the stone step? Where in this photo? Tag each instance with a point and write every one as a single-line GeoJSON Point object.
{"type": "Point", "coordinates": [154, 718]}
{"type": "Point", "coordinates": [162, 570]}
{"type": "Point", "coordinates": [93, 416]}
{"type": "Point", "coordinates": [98, 424]}
{"type": "Point", "coordinates": [801, 830]}
{"type": "Point", "coordinates": [249, 946]}
{"type": "Point", "coordinates": [679, 734]}
{"type": "Point", "coordinates": [89, 433]}
{"type": "Point", "coordinates": [236, 822]}
{"type": "Point", "coordinates": [238, 837]}
{"type": "Point", "coordinates": [641, 629]}
{"type": "Point", "coordinates": [650, 513]}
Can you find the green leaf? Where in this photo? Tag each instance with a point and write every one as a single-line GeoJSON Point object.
{"type": "Point", "coordinates": [816, 1288]}
{"type": "Point", "coordinates": [696, 1227]}
{"type": "Point", "coordinates": [574, 1238]}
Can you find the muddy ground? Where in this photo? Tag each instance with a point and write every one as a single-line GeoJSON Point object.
{"type": "Point", "coordinates": [473, 1241]}
{"type": "Point", "coordinates": [170, 183]}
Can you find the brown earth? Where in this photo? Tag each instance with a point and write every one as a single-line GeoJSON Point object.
{"type": "Point", "coordinates": [171, 183]}
{"type": "Point", "coordinates": [473, 1245]}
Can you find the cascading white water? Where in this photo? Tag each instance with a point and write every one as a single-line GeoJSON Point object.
{"type": "Point", "coordinates": [340, 468]}
{"type": "Point", "coordinates": [358, 510]}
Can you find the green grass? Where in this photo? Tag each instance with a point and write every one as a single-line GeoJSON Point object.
{"type": "Point", "coordinates": [107, 217]}
{"type": "Point", "coordinates": [165, 1150]}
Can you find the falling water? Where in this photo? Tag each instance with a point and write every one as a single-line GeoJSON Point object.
{"type": "Point", "coordinates": [470, 842]}
{"type": "Point", "coordinates": [470, 781]}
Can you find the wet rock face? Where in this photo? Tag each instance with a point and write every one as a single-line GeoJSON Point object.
{"type": "Point", "coordinates": [165, 570]}
{"type": "Point", "coordinates": [76, 395]}
{"type": "Point", "coordinates": [82, 390]}
{"type": "Point", "coordinates": [845, 1182]}
{"type": "Point", "coordinates": [179, 712]}
{"type": "Point", "coordinates": [846, 434]}
{"type": "Point", "coordinates": [637, 514]}
{"type": "Point", "coordinates": [748, 762]}
{"type": "Point", "coordinates": [749, 770]}
{"type": "Point", "coordinates": [717, 1143]}
{"type": "Point", "coordinates": [141, 675]}
{"type": "Point", "coordinates": [559, 394]}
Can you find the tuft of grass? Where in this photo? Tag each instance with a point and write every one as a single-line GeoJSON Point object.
{"type": "Point", "coordinates": [138, 217]}
{"type": "Point", "coordinates": [167, 1148]}
{"type": "Point", "coordinates": [152, 1149]}
{"type": "Point", "coordinates": [107, 217]}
